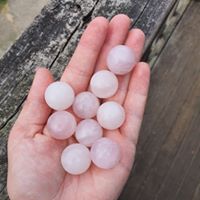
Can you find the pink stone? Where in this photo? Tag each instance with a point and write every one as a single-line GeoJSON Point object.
{"type": "Point", "coordinates": [105, 153]}
{"type": "Point", "coordinates": [85, 105]}
{"type": "Point", "coordinates": [88, 131]}
{"type": "Point", "coordinates": [59, 95]}
{"type": "Point", "coordinates": [76, 159]}
{"type": "Point", "coordinates": [111, 115]}
{"type": "Point", "coordinates": [104, 84]}
{"type": "Point", "coordinates": [61, 125]}
{"type": "Point", "coordinates": [121, 59]}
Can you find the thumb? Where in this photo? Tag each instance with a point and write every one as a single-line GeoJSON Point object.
{"type": "Point", "coordinates": [35, 111]}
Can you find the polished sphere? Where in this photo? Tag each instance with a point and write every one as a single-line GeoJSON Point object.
{"type": "Point", "coordinates": [121, 59]}
{"type": "Point", "coordinates": [111, 115]}
{"type": "Point", "coordinates": [59, 95]}
{"type": "Point", "coordinates": [88, 131]}
{"type": "Point", "coordinates": [105, 153]}
{"type": "Point", "coordinates": [104, 84]}
{"type": "Point", "coordinates": [75, 159]}
{"type": "Point", "coordinates": [85, 105]}
{"type": "Point", "coordinates": [61, 125]}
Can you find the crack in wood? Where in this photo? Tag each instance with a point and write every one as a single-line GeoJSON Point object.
{"type": "Point", "coordinates": [88, 17]}
{"type": "Point", "coordinates": [13, 115]}
{"type": "Point", "coordinates": [85, 20]}
{"type": "Point", "coordinates": [158, 43]}
{"type": "Point", "coordinates": [142, 12]}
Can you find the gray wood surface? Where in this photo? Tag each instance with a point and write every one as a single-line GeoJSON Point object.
{"type": "Point", "coordinates": [168, 156]}
{"type": "Point", "coordinates": [50, 42]}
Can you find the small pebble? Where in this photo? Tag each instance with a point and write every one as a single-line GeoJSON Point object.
{"type": "Point", "coordinates": [105, 153]}
{"type": "Point", "coordinates": [75, 159]}
{"type": "Point", "coordinates": [85, 105]}
{"type": "Point", "coordinates": [59, 95]}
{"type": "Point", "coordinates": [111, 115]}
{"type": "Point", "coordinates": [61, 125]}
{"type": "Point", "coordinates": [104, 84]}
{"type": "Point", "coordinates": [121, 59]}
{"type": "Point", "coordinates": [88, 131]}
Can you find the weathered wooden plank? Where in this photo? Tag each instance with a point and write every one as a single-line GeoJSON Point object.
{"type": "Point", "coordinates": [39, 45]}
{"type": "Point", "coordinates": [3, 175]}
{"type": "Point", "coordinates": [167, 163]}
{"type": "Point", "coordinates": [157, 10]}
{"type": "Point", "coordinates": [191, 179]}
{"type": "Point", "coordinates": [50, 42]}
{"type": "Point", "coordinates": [196, 193]}
{"type": "Point", "coordinates": [164, 32]}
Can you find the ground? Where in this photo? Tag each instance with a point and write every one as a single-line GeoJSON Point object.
{"type": "Point", "coordinates": [15, 16]}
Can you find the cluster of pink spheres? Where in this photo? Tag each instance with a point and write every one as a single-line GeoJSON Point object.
{"type": "Point", "coordinates": [92, 146]}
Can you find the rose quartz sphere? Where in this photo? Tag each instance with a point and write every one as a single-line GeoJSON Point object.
{"type": "Point", "coordinates": [59, 95]}
{"type": "Point", "coordinates": [104, 84]}
{"type": "Point", "coordinates": [61, 125]}
{"type": "Point", "coordinates": [111, 115]}
{"type": "Point", "coordinates": [88, 131]}
{"type": "Point", "coordinates": [105, 153]}
{"type": "Point", "coordinates": [121, 59]}
{"type": "Point", "coordinates": [76, 159]}
{"type": "Point", "coordinates": [85, 105]}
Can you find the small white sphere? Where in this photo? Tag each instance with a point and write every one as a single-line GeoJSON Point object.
{"type": "Point", "coordinates": [111, 115]}
{"type": "Point", "coordinates": [105, 153]}
{"type": "Point", "coordinates": [75, 159]}
{"type": "Point", "coordinates": [59, 95]}
{"type": "Point", "coordinates": [85, 105]}
{"type": "Point", "coordinates": [61, 125]}
{"type": "Point", "coordinates": [88, 131]}
{"type": "Point", "coordinates": [121, 59]}
{"type": "Point", "coordinates": [104, 84]}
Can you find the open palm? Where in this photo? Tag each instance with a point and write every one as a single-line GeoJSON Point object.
{"type": "Point", "coordinates": [34, 168]}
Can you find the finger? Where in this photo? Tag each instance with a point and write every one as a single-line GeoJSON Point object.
{"type": "Point", "coordinates": [135, 41]}
{"type": "Point", "coordinates": [135, 101]}
{"type": "Point", "coordinates": [117, 33]}
{"type": "Point", "coordinates": [35, 111]}
{"type": "Point", "coordinates": [82, 63]}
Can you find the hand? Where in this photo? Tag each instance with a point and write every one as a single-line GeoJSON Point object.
{"type": "Point", "coordinates": [34, 168]}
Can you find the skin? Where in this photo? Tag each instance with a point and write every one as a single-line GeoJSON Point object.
{"type": "Point", "coordinates": [34, 168]}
